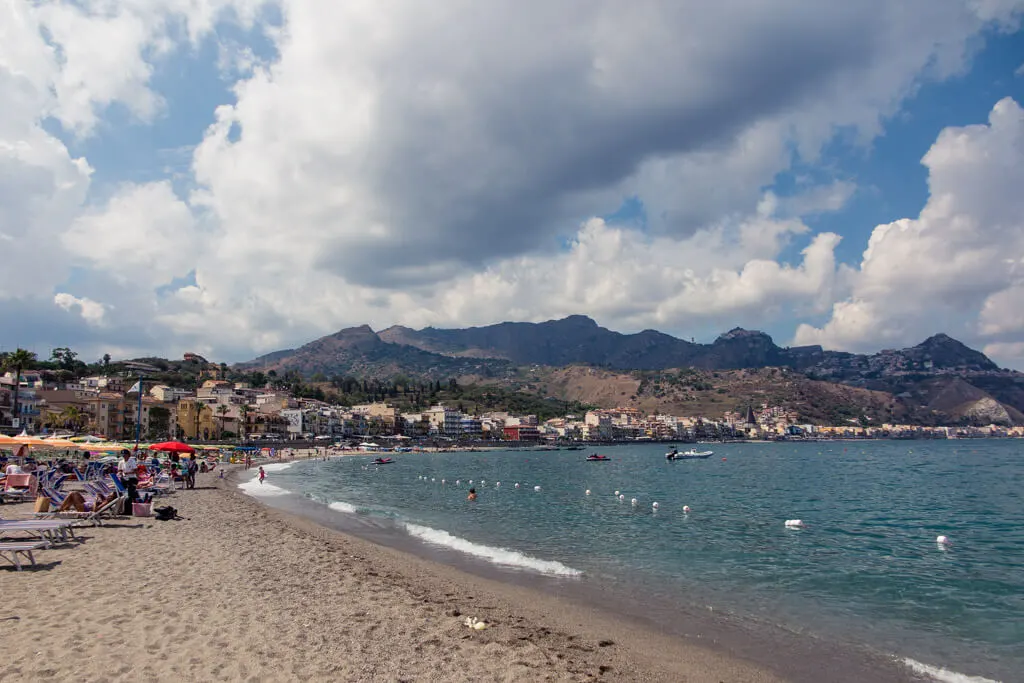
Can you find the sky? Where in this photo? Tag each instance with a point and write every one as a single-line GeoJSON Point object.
{"type": "Point", "coordinates": [232, 177]}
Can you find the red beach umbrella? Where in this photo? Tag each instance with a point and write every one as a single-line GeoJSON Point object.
{"type": "Point", "coordinates": [172, 447]}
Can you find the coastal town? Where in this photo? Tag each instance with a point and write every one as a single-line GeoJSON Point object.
{"type": "Point", "coordinates": [125, 405]}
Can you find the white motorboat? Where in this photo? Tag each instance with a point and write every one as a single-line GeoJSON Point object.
{"type": "Point", "coordinates": [692, 454]}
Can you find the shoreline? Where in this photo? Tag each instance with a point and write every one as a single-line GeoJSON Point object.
{"type": "Point", "coordinates": [240, 591]}
{"type": "Point", "coordinates": [772, 649]}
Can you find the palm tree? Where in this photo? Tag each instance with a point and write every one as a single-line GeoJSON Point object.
{"type": "Point", "coordinates": [73, 418]}
{"type": "Point", "coordinates": [222, 410]}
{"type": "Point", "coordinates": [244, 427]}
{"type": "Point", "coordinates": [18, 361]}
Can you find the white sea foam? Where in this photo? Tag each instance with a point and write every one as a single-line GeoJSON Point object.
{"type": "Point", "coordinates": [941, 675]}
{"type": "Point", "coordinates": [501, 556]}
{"type": "Point", "coordinates": [343, 507]}
{"type": "Point", "coordinates": [255, 488]}
{"type": "Point", "coordinates": [276, 466]}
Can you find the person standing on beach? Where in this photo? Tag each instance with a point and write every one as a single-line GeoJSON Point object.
{"type": "Point", "coordinates": [262, 475]}
{"type": "Point", "coordinates": [128, 470]}
{"type": "Point", "coordinates": [191, 467]}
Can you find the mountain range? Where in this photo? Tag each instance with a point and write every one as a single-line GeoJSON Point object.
{"type": "Point", "coordinates": [938, 380]}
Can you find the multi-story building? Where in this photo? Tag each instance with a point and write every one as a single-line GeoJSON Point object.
{"type": "Point", "coordinates": [521, 432]}
{"type": "Point", "coordinates": [445, 420]}
{"type": "Point", "coordinates": [598, 424]}
{"type": "Point", "coordinates": [195, 420]}
{"type": "Point", "coordinates": [471, 427]}
{"type": "Point", "coordinates": [162, 392]}
{"type": "Point", "coordinates": [380, 417]}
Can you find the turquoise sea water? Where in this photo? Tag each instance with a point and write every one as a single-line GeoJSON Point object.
{"type": "Point", "coordinates": [866, 567]}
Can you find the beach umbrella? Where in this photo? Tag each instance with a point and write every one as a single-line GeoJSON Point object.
{"type": "Point", "coordinates": [56, 443]}
{"type": "Point", "coordinates": [88, 438]}
{"type": "Point", "coordinates": [172, 447]}
{"type": "Point", "coordinates": [10, 440]}
{"type": "Point", "coordinates": [26, 440]}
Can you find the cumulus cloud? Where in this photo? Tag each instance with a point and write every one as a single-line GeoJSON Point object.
{"type": "Point", "coordinates": [388, 161]}
{"type": "Point", "coordinates": [143, 235]}
{"type": "Point", "coordinates": [959, 266]}
{"type": "Point", "coordinates": [91, 311]}
{"type": "Point", "coordinates": [443, 163]}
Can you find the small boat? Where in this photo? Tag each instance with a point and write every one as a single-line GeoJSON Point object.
{"type": "Point", "coordinates": [692, 454]}
{"type": "Point", "coordinates": [597, 458]}
{"type": "Point", "coordinates": [383, 461]}
{"type": "Point", "coordinates": [574, 448]}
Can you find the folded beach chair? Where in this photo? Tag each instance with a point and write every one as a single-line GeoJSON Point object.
{"type": "Point", "coordinates": [47, 530]}
{"type": "Point", "coordinates": [10, 551]}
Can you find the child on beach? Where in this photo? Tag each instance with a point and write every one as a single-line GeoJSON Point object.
{"type": "Point", "coordinates": [262, 474]}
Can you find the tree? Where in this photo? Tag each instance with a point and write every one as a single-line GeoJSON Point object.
{"type": "Point", "coordinates": [244, 426]}
{"type": "Point", "coordinates": [65, 358]}
{"type": "Point", "coordinates": [222, 412]}
{"type": "Point", "coordinates": [106, 361]}
{"type": "Point", "coordinates": [73, 418]}
{"type": "Point", "coordinates": [18, 361]}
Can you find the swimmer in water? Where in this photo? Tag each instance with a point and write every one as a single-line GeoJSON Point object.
{"type": "Point", "coordinates": [472, 495]}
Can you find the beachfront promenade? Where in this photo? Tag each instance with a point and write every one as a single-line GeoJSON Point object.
{"type": "Point", "coordinates": [236, 591]}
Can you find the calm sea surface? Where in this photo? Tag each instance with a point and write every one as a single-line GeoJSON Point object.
{"type": "Point", "coordinates": [866, 567]}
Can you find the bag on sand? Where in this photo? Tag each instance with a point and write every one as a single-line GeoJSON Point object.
{"type": "Point", "coordinates": [165, 513]}
{"type": "Point", "coordinates": [42, 504]}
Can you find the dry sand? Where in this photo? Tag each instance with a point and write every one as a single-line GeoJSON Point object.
{"type": "Point", "coordinates": [240, 592]}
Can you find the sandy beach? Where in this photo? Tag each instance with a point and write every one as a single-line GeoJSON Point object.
{"type": "Point", "coordinates": [239, 592]}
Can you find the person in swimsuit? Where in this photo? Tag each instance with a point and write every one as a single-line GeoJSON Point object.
{"type": "Point", "coordinates": [262, 474]}
{"type": "Point", "coordinates": [472, 495]}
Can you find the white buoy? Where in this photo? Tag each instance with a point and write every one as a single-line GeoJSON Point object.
{"type": "Point", "coordinates": [942, 541]}
{"type": "Point", "coordinates": [432, 479]}
{"type": "Point", "coordinates": [443, 481]}
{"type": "Point", "coordinates": [458, 481]}
{"type": "Point", "coordinates": [497, 484]}
{"type": "Point", "coordinates": [588, 492]}
{"type": "Point", "coordinates": [686, 508]}
{"type": "Point", "coordinates": [617, 493]}
{"type": "Point", "coordinates": [470, 482]}
{"type": "Point", "coordinates": [633, 501]}
{"type": "Point", "coordinates": [483, 483]}
{"type": "Point", "coordinates": [622, 497]}
{"type": "Point", "coordinates": [517, 484]}
{"type": "Point", "coordinates": [654, 505]}
{"type": "Point", "coordinates": [536, 488]}
{"type": "Point", "coordinates": [794, 524]}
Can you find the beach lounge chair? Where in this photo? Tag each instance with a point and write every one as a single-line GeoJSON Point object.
{"type": "Point", "coordinates": [47, 530]}
{"type": "Point", "coordinates": [10, 551]}
{"type": "Point", "coordinates": [94, 490]}
{"type": "Point", "coordinates": [57, 499]}
{"type": "Point", "coordinates": [20, 487]}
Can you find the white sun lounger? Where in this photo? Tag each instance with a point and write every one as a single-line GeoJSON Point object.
{"type": "Point", "coordinates": [44, 530]}
{"type": "Point", "coordinates": [10, 551]}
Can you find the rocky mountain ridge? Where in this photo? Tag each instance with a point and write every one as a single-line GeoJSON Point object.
{"type": "Point", "coordinates": [938, 380]}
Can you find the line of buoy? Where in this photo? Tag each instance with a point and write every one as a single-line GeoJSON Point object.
{"type": "Point", "coordinates": [942, 541]}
